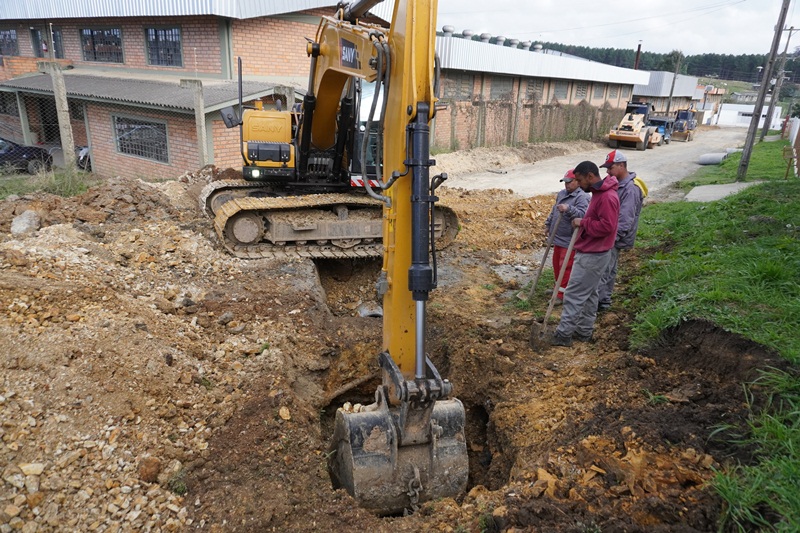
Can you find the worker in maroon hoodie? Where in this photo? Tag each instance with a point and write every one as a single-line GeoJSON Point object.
{"type": "Point", "coordinates": [598, 231]}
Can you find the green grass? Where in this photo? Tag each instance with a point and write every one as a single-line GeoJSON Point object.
{"type": "Point", "coordinates": [736, 263]}
{"type": "Point", "coordinates": [764, 495]}
{"type": "Point", "coordinates": [768, 165]}
{"type": "Point", "coordinates": [60, 182]}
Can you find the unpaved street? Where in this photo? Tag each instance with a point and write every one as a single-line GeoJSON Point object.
{"type": "Point", "coordinates": [659, 167]}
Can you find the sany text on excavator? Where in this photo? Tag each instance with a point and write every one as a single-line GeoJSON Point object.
{"type": "Point", "coordinates": [407, 447]}
{"type": "Point", "coordinates": [309, 170]}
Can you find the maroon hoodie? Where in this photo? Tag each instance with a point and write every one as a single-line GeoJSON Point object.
{"type": "Point", "coordinates": [599, 225]}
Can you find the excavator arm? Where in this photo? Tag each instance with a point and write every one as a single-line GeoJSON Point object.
{"type": "Point", "coordinates": [408, 447]}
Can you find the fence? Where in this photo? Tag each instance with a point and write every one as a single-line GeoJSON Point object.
{"type": "Point", "coordinates": [463, 125]}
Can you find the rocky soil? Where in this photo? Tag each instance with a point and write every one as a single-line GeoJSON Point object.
{"type": "Point", "coordinates": [150, 382]}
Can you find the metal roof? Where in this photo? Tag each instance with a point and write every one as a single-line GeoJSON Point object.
{"type": "Point", "coordinates": [237, 9]}
{"type": "Point", "coordinates": [142, 93]}
{"type": "Point", "coordinates": [661, 84]}
{"type": "Point", "coordinates": [463, 54]}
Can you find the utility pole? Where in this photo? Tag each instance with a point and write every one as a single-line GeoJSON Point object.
{"type": "Point", "coordinates": [674, 77]}
{"type": "Point", "coordinates": [762, 93]}
{"type": "Point", "coordinates": [776, 92]}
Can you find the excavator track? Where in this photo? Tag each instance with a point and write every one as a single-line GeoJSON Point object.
{"type": "Point", "coordinates": [216, 193]}
{"type": "Point", "coordinates": [333, 226]}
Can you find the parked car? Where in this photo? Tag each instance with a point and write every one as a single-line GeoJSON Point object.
{"type": "Point", "coordinates": [20, 158]}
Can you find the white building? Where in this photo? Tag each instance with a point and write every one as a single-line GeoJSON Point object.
{"type": "Point", "coordinates": [741, 114]}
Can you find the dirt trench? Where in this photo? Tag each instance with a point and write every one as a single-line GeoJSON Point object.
{"type": "Point", "coordinates": [594, 437]}
{"type": "Point", "coordinates": [133, 341]}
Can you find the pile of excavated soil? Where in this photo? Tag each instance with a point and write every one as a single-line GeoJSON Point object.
{"type": "Point", "coordinates": [151, 382]}
{"type": "Point", "coordinates": [497, 157]}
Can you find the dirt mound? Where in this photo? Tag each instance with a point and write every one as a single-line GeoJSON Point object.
{"type": "Point", "coordinates": [152, 382]}
{"type": "Point", "coordinates": [497, 157]}
{"type": "Point", "coordinates": [120, 200]}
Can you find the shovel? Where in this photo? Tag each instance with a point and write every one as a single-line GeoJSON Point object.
{"type": "Point", "coordinates": [544, 260]}
{"type": "Point", "coordinates": [538, 338]}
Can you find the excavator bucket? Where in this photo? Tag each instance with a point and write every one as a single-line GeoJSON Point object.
{"type": "Point", "coordinates": [387, 477]}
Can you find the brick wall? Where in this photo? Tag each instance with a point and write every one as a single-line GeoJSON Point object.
{"type": "Point", "coordinates": [272, 47]}
{"type": "Point", "coordinates": [227, 152]}
{"type": "Point", "coordinates": [107, 161]}
{"type": "Point", "coordinates": [521, 116]}
{"type": "Point", "coordinates": [200, 44]}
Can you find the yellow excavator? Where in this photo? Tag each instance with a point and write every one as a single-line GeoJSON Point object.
{"type": "Point", "coordinates": [408, 447]}
{"type": "Point", "coordinates": [311, 170]}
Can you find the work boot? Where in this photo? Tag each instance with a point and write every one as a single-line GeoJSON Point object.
{"type": "Point", "coordinates": [559, 340]}
{"type": "Point", "coordinates": [583, 338]}
{"type": "Point", "coordinates": [603, 306]}
{"type": "Point", "coordinates": [548, 292]}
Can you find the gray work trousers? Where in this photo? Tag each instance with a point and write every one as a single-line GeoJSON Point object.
{"type": "Point", "coordinates": [606, 286]}
{"type": "Point", "coordinates": [580, 299]}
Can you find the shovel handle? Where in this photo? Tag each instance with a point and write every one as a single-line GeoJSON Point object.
{"type": "Point", "coordinates": [544, 259]}
{"type": "Point", "coordinates": [563, 270]}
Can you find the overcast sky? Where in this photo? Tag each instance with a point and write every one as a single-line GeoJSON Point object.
{"type": "Point", "coordinates": [691, 26]}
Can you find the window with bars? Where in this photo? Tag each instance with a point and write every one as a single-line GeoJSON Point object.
{"type": "Point", "coordinates": [102, 45]}
{"type": "Point", "coordinates": [581, 90]}
{"type": "Point", "coordinates": [41, 46]}
{"type": "Point", "coordinates": [561, 90]}
{"type": "Point", "coordinates": [502, 87]}
{"type": "Point", "coordinates": [612, 91]}
{"type": "Point", "coordinates": [599, 90]}
{"type": "Point", "coordinates": [535, 89]}
{"type": "Point", "coordinates": [457, 86]}
{"type": "Point", "coordinates": [8, 104]}
{"type": "Point", "coordinates": [141, 138]}
{"type": "Point", "coordinates": [8, 43]}
{"type": "Point", "coordinates": [163, 47]}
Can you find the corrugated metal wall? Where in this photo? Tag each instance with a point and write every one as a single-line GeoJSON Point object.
{"type": "Point", "coordinates": [54, 9]}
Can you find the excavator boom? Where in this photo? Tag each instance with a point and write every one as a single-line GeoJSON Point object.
{"type": "Point", "coordinates": [408, 447]}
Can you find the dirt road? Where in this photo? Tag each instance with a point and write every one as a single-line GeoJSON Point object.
{"type": "Point", "coordinates": [659, 167]}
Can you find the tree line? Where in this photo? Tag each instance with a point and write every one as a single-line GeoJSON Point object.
{"type": "Point", "coordinates": [743, 67]}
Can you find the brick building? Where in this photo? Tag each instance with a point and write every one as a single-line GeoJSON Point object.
{"type": "Point", "coordinates": [500, 91]}
{"type": "Point", "coordinates": [123, 63]}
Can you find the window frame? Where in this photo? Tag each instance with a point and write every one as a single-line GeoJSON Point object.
{"type": "Point", "coordinates": [561, 87]}
{"type": "Point", "coordinates": [457, 86]}
{"type": "Point", "coordinates": [37, 36]}
{"type": "Point", "coordinates": [148, 43]}
{"type": "Point", "coordinates": [94, 30]}
{"type": "Point", "coordinates": [142, 149]}
{"type": "Point", "coordinates": [535, 89]}
{"type": "Point", "coordinates": [599, 91]}
{"type": "Point", "coordinates": [501, 88]}
{"type": "Point", "coordinates": [582, 90]}
{"type": "Point", "coordinates": [13, 38]}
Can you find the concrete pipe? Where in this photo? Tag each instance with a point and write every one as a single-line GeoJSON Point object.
{"type": "Point", "coordinates": [712, 159]}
